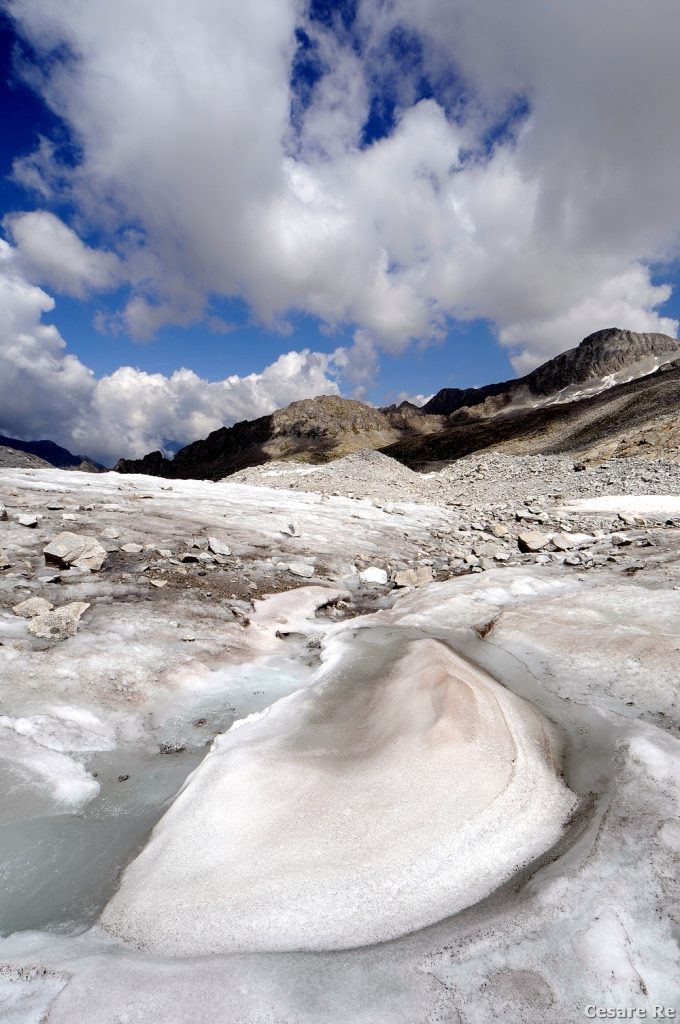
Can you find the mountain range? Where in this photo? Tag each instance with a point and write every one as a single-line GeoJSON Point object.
{"type": "Point", "coordinates": [615, 393]}
{"type": "Point", "coordinates": [39, 454]}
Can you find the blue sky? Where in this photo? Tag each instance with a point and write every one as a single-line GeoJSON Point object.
{"type": "Point", "coordinates": [363, 198]}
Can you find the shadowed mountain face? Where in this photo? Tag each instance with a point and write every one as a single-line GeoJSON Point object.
{"type": "Point", "coordinates": [52, 454]}
{"type": "Point", "coordinates": [545, 411]}
{"type": "Point", "coordinates": [635, 418]}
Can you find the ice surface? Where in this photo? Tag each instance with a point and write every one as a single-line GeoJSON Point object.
{"type": "Point", "coordinates": [352, 812]}
{"type": "Point", "coordinates": [594, 919]}
{"type": "Point", "coordinates": [630, 504]}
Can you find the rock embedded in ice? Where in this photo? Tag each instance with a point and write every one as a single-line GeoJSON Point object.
{"type": "Point", "coordinates": [531, 540]}
{"type": "Point", "coordinates": [218, 547]}
{"type": "Point", "coordinates": [30, 521]}
{"type": "Point", "coordinates": [301, 569]}
{"type": "Point", "coordinates": [373, 575]}
{"type": "Point", "coordinates": [71, 549]}
{"type": "Point", "coordinates": [351, 812]}
{"type": "Point", "coordinates": [32, 607]}
{"type": "Point", "coordinates": [413, 577]}
{"type": "Point", "coordinates": [59, 624]}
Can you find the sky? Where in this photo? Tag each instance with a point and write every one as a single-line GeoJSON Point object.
{"type": "Point", "coordinates": [210, 210]}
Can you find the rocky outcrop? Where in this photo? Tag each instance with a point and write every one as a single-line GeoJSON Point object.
{"type": "Point", "coordinates": [314, 430]}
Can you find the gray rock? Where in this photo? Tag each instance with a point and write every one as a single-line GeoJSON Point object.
{"type": "Point", "coordinates": [4, 560]}
{"type": "Point", "coordinates": [3, 512]}
{"type": "Point", "coordinates": [31, 521]}
{"type": "Point", "coordinates": [59, 624]}
{"type": "Point", "coordinates": [414, 577]}
{"type": "Point", "coordinates": [111, 533]}
{"type": "Point", "coordinates": [32, 607]}
{"type": "Point", "coordinates": [70, 549]}
{"type": "Point", "coordinates": [132, 549]}
{"type": "Point", "coordinates": [487, 549]}
{"type": "Point", "coordinates": [218, 547]}
{"type": "Point", "coordinates": [563, 542]}
{"type": "Point", "coordinates": [301, 569]}
{"type": "Point", "coordinates": [500, 530]}
{"type": "Point", "coordinates": [531, 540]}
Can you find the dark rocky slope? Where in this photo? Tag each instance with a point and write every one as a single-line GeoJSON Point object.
{"type": "Point", "coordinates": [599, 355]}
{"type": "Point", "coordinates": [313, 430]}
{"type": "Point", "coordinates": [636, 418]}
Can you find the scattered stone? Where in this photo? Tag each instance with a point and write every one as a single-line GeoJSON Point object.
{"type": "Point", "coordinates": [563, 541]}
{"type": "Point", "coordinates": [30, 521]}
{"type": "Point", "coordinates": [48, 577]}
{"type": "Point", "coordinates": [290, 530]}
{"type": "Point", "coordinates": [111, 533]}
{"type": "Point", "coordinates": [4, 560]}
{"type": "Point", "coordinates": [373, 575]}
{"type": "Point", "coordinates": [59, 624]}
{"type": "Point", "coordinates": [188, 638]}
{"type": "Point", "coordinates": [69, 517]}
{"type": "Point", "coordinates": [188, 556]}
{"type": "Point", "coordinates": [69, 549]}
{"type": "Point", "coordinates": [132, 549]}
{"type": "Point", "coordinates": [413, 577]}
{"type": "Point", "coordinates": [158, 583]}
{"type": "Point", "coordinates": [32, 607]}
{"type": "Point", "coordinates": [487, 549]}
{"type": "Point", "coordinates": [301, 569]}
{"type": "Point", "coordinates": [500, 530]}
{"type": "Point", "coordinates": [531, 540]}
{"type": "Point", "coordinates": [3, 512]}
{"type": "Point", "coordinates": [218, 547]}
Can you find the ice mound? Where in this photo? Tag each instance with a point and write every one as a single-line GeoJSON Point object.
{"type": "Point", "coordinates": [350, 812]}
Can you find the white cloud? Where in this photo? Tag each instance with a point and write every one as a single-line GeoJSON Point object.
{"type": "Point", "coordinates": [47, 392]}
{"type": "Point", "coordinates": [54, 255]}
{"type": "Point", "coordinates": [182, 114]}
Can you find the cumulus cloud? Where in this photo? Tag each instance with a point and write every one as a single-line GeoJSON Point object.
{"type": "Point", "coordinates": [46, 391]}
{"type": "Point", "coordinates": [532, 187]}
{"type": "Point", "coordinates": [53, 254]}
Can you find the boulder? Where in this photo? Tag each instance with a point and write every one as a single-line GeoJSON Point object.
{"type": "Point", "coordinates": [28, 520]}
{"type": "Point", "coordinates": [301, 569]}
{"type": "Point", "coordinates": [414, 577]}
{"type": "Point", "coordinates": [563, 541]}
{"type": "Point", "coordinates": [68, 549]}
{"type": "Point", "coordinates": [32, 607]}
{"type": "Point", "coordinates": [218, 547]}
{"type": "Point", "coordinates": [531, 540]}
{"type": "Point", "coordinates": [59, 624]}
